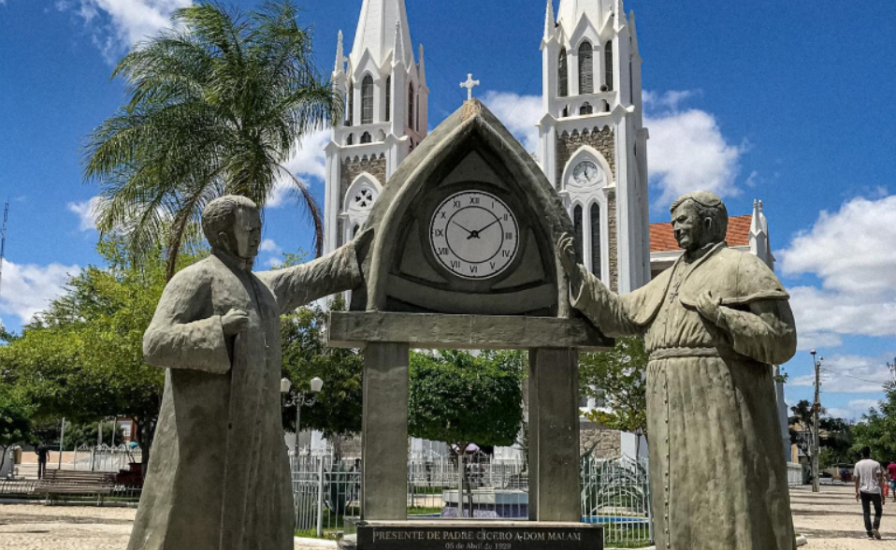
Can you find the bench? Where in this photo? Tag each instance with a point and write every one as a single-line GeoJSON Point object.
{"type": "Point", "coordinates": [69, 482]}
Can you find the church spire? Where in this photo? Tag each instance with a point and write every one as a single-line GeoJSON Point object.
{"type": "Point", "coordinates": [619, 12]}
{"type": "Point", "coordinates": [550, 24]}
{"type": "Point", "coordinates": [339, 68]}
{"type": "Point", "coordinates": [422, 67]}
{"type": "Point", "coordinates": [398, 47]}
{"type": "Point", "coordinates": [382, 24]}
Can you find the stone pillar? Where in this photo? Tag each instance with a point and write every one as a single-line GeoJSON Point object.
{"type": "Point", "coordinates": [384, 475]}
{"type": "Point", "coordinates": [554, 493]}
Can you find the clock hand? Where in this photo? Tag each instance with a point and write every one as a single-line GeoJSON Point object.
{"type": "Point", "coordinates": [483, 229]}
{"type": "Point", "coordinates": [464, 228]}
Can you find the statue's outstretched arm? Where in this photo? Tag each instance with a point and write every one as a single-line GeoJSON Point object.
{"type": "Point", "coordinates": [603, 307]}
{"type": "Point", "coordinates": [176, 339]}
{"type": "Point", "coordinates": [336, 272]}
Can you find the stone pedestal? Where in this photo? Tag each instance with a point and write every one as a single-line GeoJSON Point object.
{"type": "Point", "coordinates": [554, 493]}
{"type": "Point", "coordinates": [384, 474]}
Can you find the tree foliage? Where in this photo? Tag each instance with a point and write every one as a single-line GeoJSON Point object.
{"type": "Point", "coordinates": [461, 398]}
{"type": "Point", "coordinates": [337, 409]}
{"type": "Point", "coordinates": [216, 107]}
{"type": "Point", "coordinates": [878, 428]}
{"type": "Point", "coordinates": [83, 357]}
{"type": "Point", "coordinates": [617, 376]}
{"type": "Point", "coordinates": [15, 420]}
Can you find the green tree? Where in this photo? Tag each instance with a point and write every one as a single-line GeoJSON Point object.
{"type": "Point", "coordinates": [337, 409]}
{"type": "Point", "coordinates": [87, 434]}
{"type": "Point", "coordinates": [83, 358]}
{"type": "Point", "coordinates": [618, 377]}
{"type": "Point", "coordinates": [877, 428]}
{"type": "Point", "coordinates": [461, 398]}
{"type": "Point", "coordinates": [15, 421]}
{"type": "Point", "coordinates": [215, 108]}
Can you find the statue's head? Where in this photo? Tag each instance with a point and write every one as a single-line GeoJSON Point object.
{"type": "Point", "coordinates": [698, 219]}
{"type": "Point", "coordinates": [233, 224]}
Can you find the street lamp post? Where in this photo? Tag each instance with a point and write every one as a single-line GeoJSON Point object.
{"type": "Point", "coordinates": [299, 400]}
{"type": "Point", "coordinates": [816, 407]}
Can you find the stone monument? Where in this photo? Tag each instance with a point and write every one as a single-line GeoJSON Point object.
{"type": "Point", "coordinates": [219, 477]}
{"type": "Point", "coordinates": [713, 326]}
{"type": "Point", "coordinates": [463, 257]}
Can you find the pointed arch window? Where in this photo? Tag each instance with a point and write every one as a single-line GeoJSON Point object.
{"type": "Point", "coordinates": [563, 75]}
{"type": "Point", "coordinates": [350, 112]}
{"type": "Point", "coordinates": [595, 240]}
{"type": "Point", "coordinates": [388, 99]}
{"type": "Point", "coordinates": [350, 140]}
{"type": "Point", "coordinates": [367, 100]}
{"type": "Point", "coordinates": [586, 109]}
{"type": "Point", "coordinates": [366, 138]}
{"type": "Point", "coordinates": [411, 106]}
{"type": "Point", "coordinates": [608, 65]}
{"type": "Point", "coordinates": [578, 226]}
{"type": "Point", "coordinates": [586, 69]}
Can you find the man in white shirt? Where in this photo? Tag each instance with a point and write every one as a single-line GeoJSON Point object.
{"type": "Point", "coordinates": [869, 480]}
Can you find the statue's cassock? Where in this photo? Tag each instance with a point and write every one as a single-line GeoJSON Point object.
{"type": "Point", "coordinates": [718, 475]}
{"type": "Point", "coordinates": [219, 475]}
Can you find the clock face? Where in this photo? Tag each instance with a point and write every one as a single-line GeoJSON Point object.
{"type": "Point", "coordinates": [474, 235]}
{"type": "Point", "coordinates": [586, 173]}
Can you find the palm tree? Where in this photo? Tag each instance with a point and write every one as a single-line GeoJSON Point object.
{"type": "Point", "coordinates": [216, 107]}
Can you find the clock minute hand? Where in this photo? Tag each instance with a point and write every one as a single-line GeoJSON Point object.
{"type": "Point", "coordinates": [477, 233]}
{"type": "Point", "coordinates": [464, 228]}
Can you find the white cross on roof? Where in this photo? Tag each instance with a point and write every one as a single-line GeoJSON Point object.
{"type": "Point", "coordinates": [469, 85]}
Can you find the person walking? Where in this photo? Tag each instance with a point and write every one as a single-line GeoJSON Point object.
{"type": "Point", "coordinates": [891, 473]}
{"type": "Point", "coordinates": [869, 489]}
{"type": "Point", "coordinates": [42, 454]}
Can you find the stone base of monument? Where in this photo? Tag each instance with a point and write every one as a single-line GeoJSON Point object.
{"type": "Point", "coordinates": [488, 503]}
{"type": "Point", "coordinates": [473, 535]}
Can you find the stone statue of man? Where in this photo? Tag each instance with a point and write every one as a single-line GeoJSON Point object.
{"type": "Point", "coordinates": [219, 477]}
{"type": "Point", "coordinates": [713, 325]}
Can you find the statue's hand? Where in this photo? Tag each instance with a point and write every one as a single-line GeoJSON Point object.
{"type": "Point", "coordinates": [567, 253]}
{"type": "Point", "coordinates": [234, 322]}
{"type": "Point", "coordinates": [709, 307]}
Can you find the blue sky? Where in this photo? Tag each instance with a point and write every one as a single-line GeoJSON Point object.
{"type": "Point", "coordinates": [788, 102]}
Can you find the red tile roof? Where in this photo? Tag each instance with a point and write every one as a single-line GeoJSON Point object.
{"type": "Point", "coordinates": [662, 239]}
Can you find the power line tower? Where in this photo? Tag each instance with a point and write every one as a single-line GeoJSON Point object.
{"type": "Point", "coordinates": [3, 241]}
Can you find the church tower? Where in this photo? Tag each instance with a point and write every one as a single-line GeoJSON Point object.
{"type": "Point", "coordinates": [386, 116]}
{"type": "Point", "coordinates": [593, 146]}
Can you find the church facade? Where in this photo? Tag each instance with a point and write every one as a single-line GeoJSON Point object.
{"type": "Point", "coordinates": [593, 147]}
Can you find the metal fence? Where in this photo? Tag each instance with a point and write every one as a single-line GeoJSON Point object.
{"type": "Point", "coordinates": [615, 493]}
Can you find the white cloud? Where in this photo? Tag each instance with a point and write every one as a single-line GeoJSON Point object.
{"type": "Point", "coordinates": [519, 113]}
{"type": "Point", "coordinates": [86, 211]}
{"type": "Point", "coordinates": [687, 150]}
{"type": "Point", "coordinates": [268, 245]}
{"type": "Point", "coordinates": [853, 410]}
{"type": "Point", "coordinates": [28, 289]}
{"type": "Point", "coordinates": [853, 253]}
{"type": "Point", "coordinates": [849, 374]}
{"type": "Point", "coordinates": [117, 25]}
{"type": "Point", "coordinates": [308, 161]}
{"type": "Point", "coordinates": [275, 263]}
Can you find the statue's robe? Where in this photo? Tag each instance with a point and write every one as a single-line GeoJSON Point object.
{"type": "Point", "coordinates": [219, 475]}
{"type": "Point", "coordinates": [717, 473]}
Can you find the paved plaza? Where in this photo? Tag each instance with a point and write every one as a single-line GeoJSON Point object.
{"type": "Point", "coordinates": [831, 519]}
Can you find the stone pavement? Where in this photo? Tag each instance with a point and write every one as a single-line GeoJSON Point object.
{"type": "Point", "coordinates": [831, 519]}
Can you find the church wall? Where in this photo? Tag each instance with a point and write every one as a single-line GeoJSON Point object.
{"type": "Point", "coordinates": [351, 169]}
{"type": "Point", "coordinates": [604, 141]}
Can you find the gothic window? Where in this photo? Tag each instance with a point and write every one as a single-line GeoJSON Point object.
{"type": "Point", "coordinates": [586, 109]}
{"type": "Point", "coordinates": [586, 69]}
{"type": "Point", "coordinates": [608, 65]}
{"type": "Point", "coordinates": [577, 224]}
{"type": "Point", "coordinates": [350, 140]}
{"type": "Point", "coordinates": [595, 240]}
{"type": "Point", "coordinates": [606, 106]}
{"type": "Point", "coordinates": [563, 71]}
{"type": "Point", "coordinates": [367, 100]}
{"type": "Point", "coordinates": [417, 118]}
{"type": "Point", "coordinates": [366, 138]}
{"type": "Point", "coordinates": [364, 198]}
{"type": "Point", "coordinates": [565, 112]}
{"type": "Point", "coordinates": [349, 116]}
{"type": "Point", "coordinates": [411, 106]}
{"type": "Point", "coordinates": [388, 99]}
